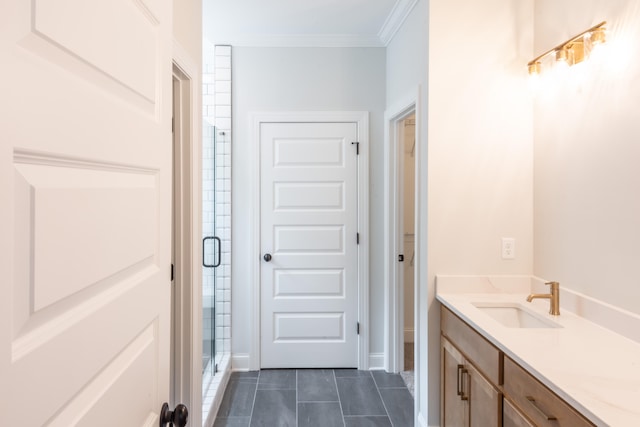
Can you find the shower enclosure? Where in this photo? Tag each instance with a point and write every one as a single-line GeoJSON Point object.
{"type": "Point", "coordinates": [215, 255]}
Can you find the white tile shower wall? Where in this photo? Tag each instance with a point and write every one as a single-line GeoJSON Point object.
{"type": "Point", "coordinates": [222, 213]}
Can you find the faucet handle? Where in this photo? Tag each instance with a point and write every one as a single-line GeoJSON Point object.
{"type": "Point", "coordinates": [555, 287]}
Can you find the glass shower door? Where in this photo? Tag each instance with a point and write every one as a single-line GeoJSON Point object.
{"type": "Point", "coordinates": [211, 257]}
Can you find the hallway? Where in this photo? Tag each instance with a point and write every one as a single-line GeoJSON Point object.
{"type": "Point", "coordinates": [316, 397]}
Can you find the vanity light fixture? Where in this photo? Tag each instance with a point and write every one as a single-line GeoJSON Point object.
{"type": "Point", "coordinates": [572, 51]}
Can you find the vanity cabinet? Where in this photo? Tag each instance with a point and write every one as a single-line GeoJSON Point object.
{"type": "Point", "coordinates": [482, 387]}
{"type": "Point", "coordinates": [470, 372]}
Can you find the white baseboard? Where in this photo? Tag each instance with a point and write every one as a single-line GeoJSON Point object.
{"type": "Point", "coordinates": [376, 361]}
{"type": "Point", "coordinates": [408, 335]}
{"type": "Point", "coordinates": [240, 362]}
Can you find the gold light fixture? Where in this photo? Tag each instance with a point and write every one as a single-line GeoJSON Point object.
{"type": "Point", "coordinates": [574, 50]}
{"type": "Point", "coordinates": [599, 35]}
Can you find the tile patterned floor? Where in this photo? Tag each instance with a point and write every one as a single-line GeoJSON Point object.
{"type": "Point", "coordinates": [315, 398]}
{"type": "Point", "coordinates": [408, 375]}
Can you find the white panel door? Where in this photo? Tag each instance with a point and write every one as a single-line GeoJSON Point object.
{"type": "Point", "coordinates": [309, 285]}
{"type": "Point", "coordinates": [85, 184]}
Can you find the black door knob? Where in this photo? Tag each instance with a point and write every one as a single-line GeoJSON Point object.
{"type": "Point", "coordinates": [177, 417]}
{"type": "Point", "coordinates": [267, 257]}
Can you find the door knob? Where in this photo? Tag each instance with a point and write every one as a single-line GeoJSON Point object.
{"type": "Point", "coordinates": [176, 418]}
{"type": "Point", "coordinates": [267, 257]}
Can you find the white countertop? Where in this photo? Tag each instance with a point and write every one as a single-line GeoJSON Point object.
{"type": "Point", "coordinates": [595, 370]}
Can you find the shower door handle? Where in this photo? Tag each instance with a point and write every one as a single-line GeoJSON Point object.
{"type": "Point", "coordinates": [219, 245]}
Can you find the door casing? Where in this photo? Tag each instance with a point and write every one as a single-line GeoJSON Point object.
{"type": "Point", "coordinates": [361, 118]}
{"type": "Point", "coordinates": [394, 301]}
{"type": "Point", "coordinates": [186, 344]}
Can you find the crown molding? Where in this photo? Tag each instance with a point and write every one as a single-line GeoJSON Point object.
{"type": "Point", "coordinates": [394, 21]}
{"type": "Point", "coordinates": [299, 40]}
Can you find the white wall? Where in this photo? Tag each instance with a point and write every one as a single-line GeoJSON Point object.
{"type": "Point", "coordinates": [298, 79]}
{"type": "Point", "coordinates": [480, 146]}
{"type": "Point", "coordinates": [587, 195]}
{"type": "Point", "coordinates": [407, 60]}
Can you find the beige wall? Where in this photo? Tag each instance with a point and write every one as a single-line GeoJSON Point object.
{"type": "Point", "coordinates": [480, 136]}
{"type": "Point", "coordinates": [587, 156]}
{"type": "Point", "coordinates": [187, 27]}
{"type": "Point", "coordinates": [480, 146]}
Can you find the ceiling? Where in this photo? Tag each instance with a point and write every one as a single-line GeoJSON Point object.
{"type": "Point", "coordinates": [367, 23]}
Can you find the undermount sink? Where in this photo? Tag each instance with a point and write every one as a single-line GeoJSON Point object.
{"type": "Point", "coordinates": [514, 315]}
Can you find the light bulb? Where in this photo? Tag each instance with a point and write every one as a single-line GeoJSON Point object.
{"type": "Point", "coordinates": [564, 55]}
{"type": "Point", "coordinates": [534, 69]}
{"type": "Point", "coordinates": [598, 36]}
{"type": "Point", "coordinates": [596, 40]}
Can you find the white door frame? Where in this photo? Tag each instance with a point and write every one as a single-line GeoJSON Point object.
{"type": "Point", "coordinates": [393, 298]}
{"type": "Point", "coordinates": [187, 350]}
{"type": "Point", "coordinates": [361, 118]}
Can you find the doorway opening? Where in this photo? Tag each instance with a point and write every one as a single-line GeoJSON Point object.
{"type": "Point", "coordinates": [402, 247]}
{"type": "Point", "coordinates": [406, 206]}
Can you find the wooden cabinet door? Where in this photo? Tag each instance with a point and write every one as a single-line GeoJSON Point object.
{"type": "Point", "coordinates": [454, 411]}
{"type": "Point", "coordinates": [485, 402]}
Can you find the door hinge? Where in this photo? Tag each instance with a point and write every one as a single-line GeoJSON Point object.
{"type": "Point", "coordinates": [173, 125]}
{"type": "Point", "coordinates": [172, 272]}
{"type": "Point", "coordinates": [357, 238]}
{"type": "Point", "coordinates": [400, 258]}
{"type": "Point", "coordinates": [358, 328]}
{"type": "Point", "coordinates": [357, 144]}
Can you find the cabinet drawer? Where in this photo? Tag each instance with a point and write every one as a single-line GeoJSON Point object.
{"type": "Point", "coordinates": [536, 401]}
{"type": "Point", "coordinates": [485, 356]}
{"type": "Point", "coordinates": [511, 417]}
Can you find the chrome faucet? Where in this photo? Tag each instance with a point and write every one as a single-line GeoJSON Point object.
{"type": "Point", "coordinates": [554, 298]}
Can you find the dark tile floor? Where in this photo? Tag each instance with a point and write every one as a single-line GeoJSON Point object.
{"type": "Point", "coordinates": [315, 398]}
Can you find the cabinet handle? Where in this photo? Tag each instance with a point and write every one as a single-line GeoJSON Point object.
{"type": "Point", "coordinates": [465, 372]}
{"type": "Point", "coordinates": [459, 384]}
{"type": "Point", "coordinates": [540, 411]}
